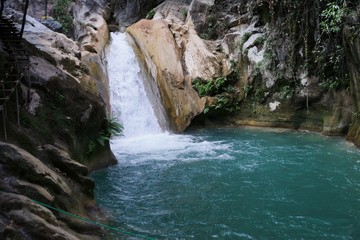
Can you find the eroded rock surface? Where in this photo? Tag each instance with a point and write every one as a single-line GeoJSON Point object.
{"type": "Point", "coordinates": [161, 56]}
{"type": "Point", "coordinates": [245, 43]}
{"type": "Point", "coordinates": [25, 178]}
{"type": "Point", "coordinates": [63, 100]}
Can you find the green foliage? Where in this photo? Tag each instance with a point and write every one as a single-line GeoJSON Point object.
{"type": "Point", "coordinates": [113, 128]}
{"type": "Point", "coordinates": [332, 68]}
{"type": "Point", "coordinates": [224, 102]}
{"type": "Point", "coordinates": [329, 49]}
{"type": "Point", "coordinates": [215, 24]}
{"type": "Point", "coordinates": [245, 37]}
{"type": "Point", "coordinates": [259, 41]}
{"type": "Point", "coordinates": [248, 89]}
{"type": "Point", "coordinates": [223, 89]}
{"type": "Point", "coordinates": [150, 14]}
{"type": "Point", "coordinates": [331, 85]}
{"type": "Point", "coordinates": [332, 18]}
{"type": "Point", "coordinates": [286, 92]}
{"type": "Point", "coordinates": [211, 87]}
{"type": "Point", "coordinates": [61, 14]}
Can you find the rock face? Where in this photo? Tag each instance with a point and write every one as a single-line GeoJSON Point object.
{"type": "Point", "coordinates": [173, 54]}
{"type": "Point", "coordinates": [92, 33]}
{"type": "Point", "coordinates": [353, 41]}
{"type": "Point", "coordinates": [162, 58]}
{"type": "Point", "coordinates": [128, 12]}
{"type": "Point", "coordinates": [25, 178]}
{"type": "Point", "coordinates": [244, 60]}
{"type": "Point", "coordinates": [63, 112]}
{"type": "Point", "coordinates": [63, 71]}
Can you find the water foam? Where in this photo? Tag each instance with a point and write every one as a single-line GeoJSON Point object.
{"type": "Point", "coordinates": [129, 102]}
{"type": "Point", "coordinates": [143, 138]}
{"type": "Point", "coordinates": [167, 147]}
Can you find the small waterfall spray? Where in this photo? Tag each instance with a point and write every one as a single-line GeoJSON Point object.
{"type": "Point", "coordinates": [144, 138]}
{"type": "Point", "coordinates": [129, 102]}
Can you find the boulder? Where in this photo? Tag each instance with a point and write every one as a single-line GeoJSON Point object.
{"type": "Point", "coordinates": [28, 167]}
{"type": "Point", "coordinates": [27, 183]}
{"type": "Point", "coordinates": [162, 59]}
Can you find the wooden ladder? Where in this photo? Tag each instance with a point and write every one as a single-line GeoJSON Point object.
{"type": "Point", "coordinates": [13, 68]}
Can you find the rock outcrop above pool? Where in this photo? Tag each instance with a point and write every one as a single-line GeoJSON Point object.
{"type": "Point", "coordinates": [241, 57]}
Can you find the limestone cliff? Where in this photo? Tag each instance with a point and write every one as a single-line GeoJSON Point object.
{"type": "Point", "coordinates": [161, 57]}
{"type": "Point", "coordinates": [257, 63]}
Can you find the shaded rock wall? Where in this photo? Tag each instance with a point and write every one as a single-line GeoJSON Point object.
{"type": "Point", "coordinates": [61, 183]}
{"type": "Point", "coordinates": [48, 156]}
{"type": "Point", "coordinates": [353, 43]}
{"type": "Point", "coordinates": [128, 12]}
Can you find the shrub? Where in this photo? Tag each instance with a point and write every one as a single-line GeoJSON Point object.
{"type": "Point", "coordinates": [61, 14]}
{"type": "Point", "coordinates": [112, 128]}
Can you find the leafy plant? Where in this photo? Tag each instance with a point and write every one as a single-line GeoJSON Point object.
{"type": "Point", "coordinates": [113, 128]}
{"type": "Point", "coordinates": [210, 87]}
{"type": "Point", "coordinates": [286, 92]}
{"type": "Point", "coordinates": [331, 85]}
{"type": "Point", "coordinates": [150, 14]}
{"type": "Point", "coordinates": [61, 14]}
{"type": "Point", "coordinates": [224, 102]}
{"type": "Point", "coordinates": [245, 37]}
{"type": "Point", "coordinates": [332, 18]}
{"type": "Point", "coordinates": [215, 24]}
{"type": "Point", "coordinates": [248, 89]}
{"type": "Point", "coordinates": [184, 12]}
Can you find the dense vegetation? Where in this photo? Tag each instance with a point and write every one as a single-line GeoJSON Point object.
{"type": "Point", "coordinates": [301, 38]}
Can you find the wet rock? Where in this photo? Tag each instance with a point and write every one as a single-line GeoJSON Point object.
{"type": "Point", "coordinates": [28, 167]}
{"type": "Point", "coordinates": [61, 159]}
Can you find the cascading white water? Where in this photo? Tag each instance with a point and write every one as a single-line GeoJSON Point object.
{"type": "Point", "coordinates": [143, 140]}
{"type": "Point", "coordinates": [129, 102]}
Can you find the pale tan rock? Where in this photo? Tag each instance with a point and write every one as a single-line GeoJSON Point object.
{"type": "Point", "coordinates": [162, 58]}
{"type": "Point", "coordinates": [92, 33]}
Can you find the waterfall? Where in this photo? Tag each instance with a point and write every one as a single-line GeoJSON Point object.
{"type": "Point", "coordinates": [129, 102]}
{"type": "Point", "coordinates": [143, 137]}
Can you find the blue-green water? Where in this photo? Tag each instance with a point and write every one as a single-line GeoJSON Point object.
{"type": "Point", "coordinates": [234, 184]}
